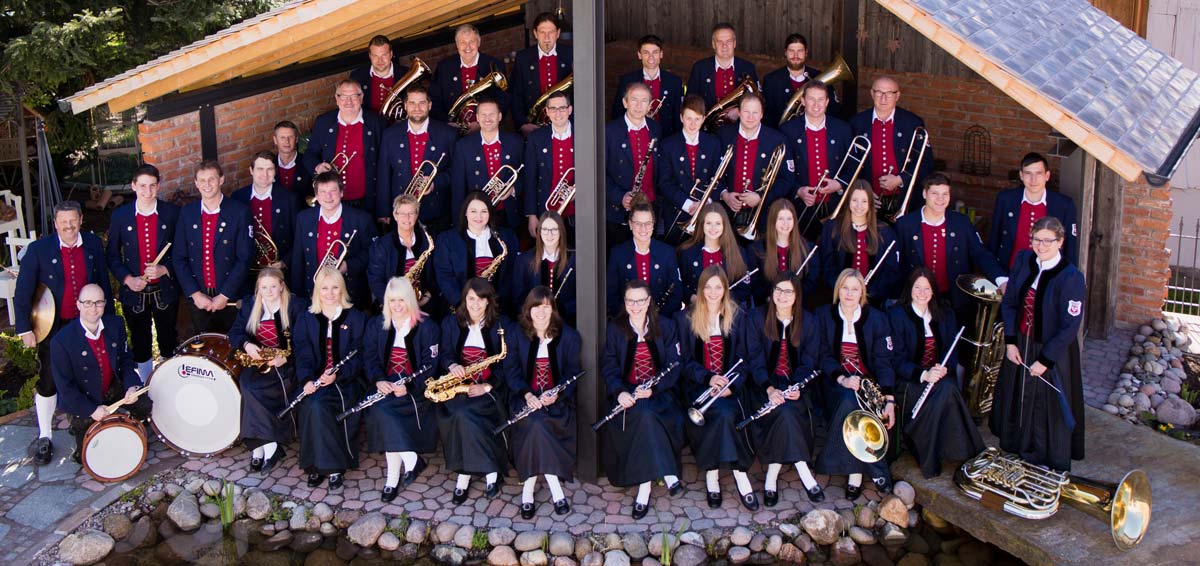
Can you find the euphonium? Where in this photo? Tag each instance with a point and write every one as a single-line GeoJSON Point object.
{"type": "Point", "coordinates": [750, 230]}
{"type": "Point", "coordinates": [462, 112]}
{"type": "Point", "coordinates": [490, 271]}
{"type": "Point", "coordinates": [716, 115]}
{"type": "Point", "coordinates": [863, 431]}
{"type": "Point", "coordinates": [334, 258]}
{"type": "Point", "coordinates": [268, 252]}
{"type": "Point", "coordinates": [988, 343]}
{"type": "Point", "coordinates": [562, 194]}
{"type": "Point", "coordinates": [498, 188]}
{"type": "Point", "coordinates": [537, 112]}
{"type": "Point", "coordinates": [448, 386]}
{"type": "Point", "coordinates": [393, 103]}
{"type": "Point", "coordinates": [422, 180]}
{"type": "Point", "coordinates": [838, 71]}
{"type": "Point", "coordinates": [414, 274]}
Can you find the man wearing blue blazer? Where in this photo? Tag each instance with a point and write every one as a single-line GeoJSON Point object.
{"type": "Point", "coordinates": [666, 89]}
{"type": "Point", "coordinates": [376, 79]}
{"type": "Point", "coordinates": [64, 262]}
{"type": "Point", "coordinates": [630, 149]}
{"type": "Point", "coordinates": [535, 69]}
{"type": "Point", "coordinates": [818, 143]}
{"type": "Point", "coordinates": [137, 233]}
{"type": "Point", "coordinates": [212, 252]}
{"type": "Point", "coordinates": [1017, 209]}
{"type": "Point", "coordinates": [645, 258]}
{"type": "Point", "coordinates": [94, 367]}
{"type": "Point", "coordinates": [479, 156]}
{"type": "Point", "coordinates": [347, 141]}
{"type": "Point", "coordinates": [408, 144]}
{"type": "Point", "coordinates": [290, 173]}
{"type": "Point", "coordinates": [318, 228]}
{"type": "Point", "coordinates": [549, 155]}
{"type": "Point", "coordinates": [754, 143]}
{"type": "Point", "coordinates": [688, 157]}
{"type": "Point", "coordinates": [457, 72]}
{"type": "Point", "coordinates": [890, 129]}
{"type": "Point", "coordinates": [715, 77]}
{"type": "Point", "coordinates": [781, 84]}
{"type": "Point", "coordinates": [272, 213]}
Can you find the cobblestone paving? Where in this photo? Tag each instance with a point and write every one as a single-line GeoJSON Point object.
{"type": "Point", "coordinates": [1102, 362]}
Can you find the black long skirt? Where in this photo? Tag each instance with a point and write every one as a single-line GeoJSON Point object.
{"type": "Point", "coordinates": [402, 424]}
{"type": "Point", "coordinates": [943, 430]}
{"type": "Point", "coordinates": [645, 442]}
{"type": "Point", "coordinates": [1034, 421]}
{"type": "Point", "coordinates": [327, 446]}
{"type": "Point", "coordinates": [544, 443]}
{"type": "Point", "coordinates": [718, 444]}
{"type": "Point", "coordinates": [465, 425]}
{"type": "Point", "coordinates": [263, 396]}
{"type": "Point", "coordinates": [786, 435]}
{"type": "Point", "coordinates": [836, 458]}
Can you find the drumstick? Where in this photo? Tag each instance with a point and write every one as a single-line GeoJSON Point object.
{"type": "Point", "coordinates": [158, 258]}
{"type": "Point", "coordinates": [137, 393]}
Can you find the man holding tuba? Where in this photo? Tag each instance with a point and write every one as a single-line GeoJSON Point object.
{"type": "Point", "coordinates": [332, 234]}
{"type": "Point", "coordinates": [456, 73]}
{"type": "Point", "coordinates": [346, 141]}
{"type": "Point", "coordinates": [404, 151]}
{"type": "Point", "coordinates": [376, 79]}
{"type": "Point", "coordinates": [537, 68]}
{"type": "Point", "coordinates": [666, 89]}
{"type": "Point", "coordinates": [717, 77]}
{"type": "Point", "coordinates": [549, 163]}
{"type": "Point", "coordinates": [630, 160]}
{"type": "Point", "coordinates": [478, 162]}
{"type": "Point", "coordinates": [272, 212]}
{"type": "Point", "coordinates": [779, 85]}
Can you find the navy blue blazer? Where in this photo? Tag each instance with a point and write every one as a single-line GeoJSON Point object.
{"type": "Point", "coordinates": [523, 84]}
{"type": "Point", "coordinates": [1058, 306]}
{"type": "Point", "coordinates": [620, 167]}
{"type": "Point", "coordinates": [306, 258]}
{"type": "Point", "coordinates": [809, 282]}
{"type": "Point", "coordinates": [322, 146]}
{"type": "Point", "coordinates": [738, 344]}
{"type": "Point", "coordinates": [768, 139]}
{"type": "Point", "coordinates": [454, 262]}
{"type": "Point", "coordinates": [524, 280]}
{"type": "Point", "coordinates": [964, 250]}
{"type": "Point", "coordinates": [666, 286]}
{"type": "Point", "coordinates": [802, 358]}
{"type": "Point", "coordinates": [284, 208]}
{"type": "Point", "coordinates": [691, 266]}
{"type": "Point", "coordinates": [834, 260]}
{"type": "Point", "coordinates": [778, 90]}
{"type": "Point", "coordinates": [124, 250]}
{"type": "Point", "coordinates": [563, 353]}
{"type": "Point", "coordinates": [422, 344]}
{"type": "Point", "coordinates": [905, 123]}
{"type": "Point", "coordinates": [619, 347]}
{"type": "Point", "coordinates": [700, 80]}
{"type": "Point", "coordinates": [908, 339]}
{"type": "Point", "coordinates": [43, 264]}
{"type": "Point", "coordinates": [447, 85]}
{"type": "Point", "coordinates": [538, 175]}
{"type": "Point", "coordinates": [395, 169]}
{"type": "Point", "coordinates": [76, 371]}
{"type": "Point", "coordinates": [363, 76]}
{"type": "Point", "coordinates": [673, 171]}
{"type": "Point", "coordinates": [469, 173]}
{"type": "Point", "coordinates": [308, 344]}
{"type": "Point", "coordinates": [238, 336]}
{"type": "Point", "coordinates": [1004, 224]}
{"type": "Point", "coordinates": [233, 252]}
{"type": "Point", "coordinates": [387, 259]}
{"type": "Point", "coordinates": [672, 93]}
{"type": "Point", "coordinates": [837, 142]}
{"type": "Point", "coordinates": [454, 337]}
{"type": "Point", "coordinates": [875, 346]}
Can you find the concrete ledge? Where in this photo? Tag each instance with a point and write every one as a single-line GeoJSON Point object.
{"type": "Point", "coordinates": [1071, 536]}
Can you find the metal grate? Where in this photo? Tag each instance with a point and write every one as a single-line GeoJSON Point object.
{"type": "Point", "coordinates": [1183, 289]}
{"type": "Point", "coordinates": [976, 152]}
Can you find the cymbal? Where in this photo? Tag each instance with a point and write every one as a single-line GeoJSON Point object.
{"type": "Point", "coordinates": [41, 318]}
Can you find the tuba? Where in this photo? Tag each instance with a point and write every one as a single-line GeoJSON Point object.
{"type": "Point", "coordinates": [750, 230]}
{"type": "Point", "coordinates": [333, 259]}
{"type": "Point", "coordinates": [462, 112]}
{"type": "Point", "coordinates": [863, 430]}
{"type": "Point", "coordinates": [716, 115]}
{"type": "Point", "coordinates": [393, 103]}
{"type": "Point", "coordinates": [537, 112]}
{"type": "Point", "coordinates": [498, 188]}
{"type": "Point", "coordinates": [414, 275]}
{"type": "Point", "coordinates": [447, 386]}
{"type": "Point", "coordinates": [421, 183]}
{"type": "Point", "coordinates": [838, 71]}
{"type": "Point", "coordinates": [988, 343]}
{"type": "Point", "coordinates": [562, 194]}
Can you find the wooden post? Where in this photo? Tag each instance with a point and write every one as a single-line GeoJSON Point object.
{"type": "Point", "coordinates": [851, 19]}
{"type": "Point", "coordinates": [1104, 251]}
{"type": "Point", "coordinates": [31, 221]}
{"type": "Point", "coordinates": [1086, 204]}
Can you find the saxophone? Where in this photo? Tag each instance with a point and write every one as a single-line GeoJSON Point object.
{"type": "Point", "coordinates": [490, 271]}
{"type": "Point", "coordinates": [447, 386]}
{"type": "Point", "coordinates": [414, 275]}
{"type": "Point", "coordinates": [265, 354]}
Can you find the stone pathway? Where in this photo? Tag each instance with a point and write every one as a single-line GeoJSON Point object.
{"type": "Point", "coordinates": [1102, 362]}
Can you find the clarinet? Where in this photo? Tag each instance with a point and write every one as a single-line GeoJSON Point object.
{"type": "Point", "coordinates": [769, 406]}
{"type": "Point", "coordinates": [645, 386]}
{"type": "Point", "coordinates": [527, 410]}
{"type": "Point", "coordinates": [317, 383]}
{"type": "Point", "coordinates": [377, 397]}
{"type": "Point", "coordinates": [929, 386]}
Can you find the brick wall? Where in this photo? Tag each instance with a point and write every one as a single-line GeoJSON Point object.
{"type": "Point", "coordinates": [1145, 261]}
{"type": "Point", "coordinates": [173, 145]}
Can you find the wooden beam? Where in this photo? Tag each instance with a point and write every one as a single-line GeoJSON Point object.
{"type": "Point", "coordinates": [1104, 253]}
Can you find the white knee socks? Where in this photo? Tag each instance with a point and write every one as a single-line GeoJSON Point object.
{"type": "Point", "coordinates": [806, 476]}
{"type": "Point", "coordinates": [410, 460]}
{"type": "Point", "coordinates": [258, 453]}
{"type": "Point", "coordinates": [45, 414]}
{"type": "Point", "coordinates": [855, 479]}
{"type": "Point", "coordinates": [670, 480]}
{"type": "Point", "coordinates": [491, 478]}
{"type": "Point", "coordinates": [643, 494]}
{"type": "Point", "coordinates": [772, 477]}
{"type": "Point", "coordinates": [527, 491]}
{"type": "Point", "coordinates": [393, 469]}
{"type": "Point", "coordinates": [710, 480]}
{"type": "Point", "coordinates": [556, 492]}
{"type": "Point", "coordinates": [463, 481]}
{"type": "Point", "coordinates": [269, 449]}
{"type": "Point", "coordinates": [743, 482]}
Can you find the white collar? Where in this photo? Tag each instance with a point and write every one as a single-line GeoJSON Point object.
{"type": "Point", "coordinates": [337, 313]}
{"type": "Point", "coordinates": [554, 133]}
{"type": "Point", "coordinates": [814, 127]}
{"type": "Point", "coordinates": [485, 235]}
{"type": "Point", "coordinates": [336, 215]}
{"type": "Point", "coordinates": [546, 255]}
{"type": "Point", "coordinates": [803, 76]}
{"type": "Point", "coordinates": [99, 329]}
{"type": "Point", "coordinates": [206, 210]}
{"type": "Point", "coordinates": [483, 137]}
{"type": "Point", "coordinates": [748, 137]}
{"type": "Point", "coordinates": [717, 63]}
{"type": "Point", "coordinates": [705, 248]}
{"type": "Point", "coordinates": [403, 327]}
{"type": "Point", "coordinates": [289, 164]}
{"type": "Point", "coordinates": [357, 119]}
{"type": "Point", "coordinates": [641, 332]}
{"type": "Point", "coordinates": [637, 250]}
{"type": "Point", "coordinates": [391, 70]}
{"type": "Point", "coordinates": [925, 317]}
{"type": "Point", "coordinates": [462, 63]}
{"type": "Point", "coordinates": [254, 194]}
{"type": "Point", "coordinates": [853, 319]}
{"type": "Point", "coordinates": [692, 139]}
{"type": "Point", "coordinates": [646, 76]}
{"type": "Point", "coordinates": [424, 127]}
{"type": "Point", "coordinates": [268, 313]}
{"type": "Point", "coordinates": [1048, 264]}
{"type": "Point", "coordinates": [875, 116]}
{"type": "Point", "coordinates": [552, 53]}
{"type": "Point", "coordinates": [629, 124]}
{"type": "Point", "coordinates": [153, 209]}
{"type": "Point", "coordinates": [924, 221]}
{"type": "Point", "coordinates": [1025, 197]}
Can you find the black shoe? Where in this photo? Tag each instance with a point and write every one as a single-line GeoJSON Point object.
{"type": "Point", "coordinates": [315, 479]}
{"type": "Point", "coordinates": [256, 464]}
{"type": "Point", "coordinates": [853, 492]}
{"type": "Point", "coordinates": [528, 510]}
{"type": "Point", "coordinates": [750, 502]}
{"type": "Point", "coordinates": [412, 475]}
{"type": "Point", "coordinates": [460, 496]}
{"type": "Point", "coordinates": [714, 499]}
{"type": "Point", "coordinates": [43, 450]}
{"type": "Point", "coordinates": [389, 494]}
{"type": "Point", "coordinates": [336, 480]}
{"type": "Point", "coordinates": [275, 458]}
{"type": "Point", "coordinates": [770, 498]}
{"type": "Point", "coordinates": [675, 489]}
{"type": "Point", "coordinates": [882, 485]}
{"type": "Point", "coordinates": [640, 511]}
{"type": "Point", "coordinates": [562, 506]}
{"type": "Point", "coordinates": [76, 457]}
{"type": "Point", "coordinates": [492, 490]}
{"type": "Point", "coordinates": [817, 495]}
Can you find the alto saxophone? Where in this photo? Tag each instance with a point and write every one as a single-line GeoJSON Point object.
{"type": "Point", "coordinates": [448, 386]}
{"type": "Point", "coordinates": [265, 355]}
{"type": "Point", "coordinates": [414, 275]}
{"type": "Point", "coordinates": [490, 271]}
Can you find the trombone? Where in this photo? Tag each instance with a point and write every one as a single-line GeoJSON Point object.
{"type": "Point", "coordinates": [750, 230]}
{"type": "Point", "coordinates": [334, 259]}
{"type": "Point", "coordinates": [562, 194]}
{"type": "Point", "coordinates": [889, 207]}
{"type": "Point", "coordinates": [689, 226]}
{"type": "Point", "coordinates": [710, 395]}
{"type": "Point", "coordinates": [421, 183]}
{"type": "Point", "coordinates": [861, 144]}
{"type": "Point", "coordinates": [498, 188]}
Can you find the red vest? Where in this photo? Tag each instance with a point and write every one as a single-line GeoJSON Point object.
{"type": "Point", "coordinates": [267, 335]}
{"type": "Point", "coordinates": [379, 90]}
{"type": "Point", "coordinates": [1029, 214]}
{"type": "Point", "coordinates": [862, 261]}
{"type": "Point", "coordinates": [692, 152]}
{"type": "Point", "coordinates": [929, 354]}
{"type": "Point", "coordinates": [474, 355]}
{"type": "Point", "coordinates": [851, 360]}
{"type": "Point", "coordinates": [208, 235]}
{"type": "Point", "coordinates": [564, 159]}
{"type": "Point", "coordinates": [743, 174]}
{"type": "Point", "coordinates": [883, 152]}
{"type": "Point", "coordinates": [714, 354]}
{"type": "Point", "coordinates": [783, 363]}
{"type": "Point", "coordinates": [398, 361]}
{"type": "Point", "coordinates": [547, 72]}
{"type": "Point", "coordinates": [101, 353]}
{"type": "Point", "coordinates": [261, 209]}
{"type": "Point", "coordinates": [354, 176]}
{"type": "Point", "coordinates": [326, 234]}
{"type": "Point", "coordinates": [723, 81]}
{"type": "Point", "coordinates": [642, 266]}
{"type": "Point", "coordinates": [1028, 312]}
{"type": "Point", "coordinates": [643, 365]}
{"type": "Point", "coordinates": [708, 258]}
{"type": "Point", "coordinates": [468, 76]}
{"type": "Point", "coordinates": [286, 176]}
{"type": "Point", "coordinates": [818, 163]}
{"type": "Point", "coordinates": [147, 231]}
{"type": "Point", "coordinates": [934, 240]}
{"type": "Point", "coordinates": [543, 378]}
{"type": "Point", "coordinates": [639, 146]}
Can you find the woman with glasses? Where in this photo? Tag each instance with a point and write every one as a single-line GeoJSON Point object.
{"type": "Point", "coordinates": [856, 239]}
{"type": "Point", "coordinates": [646, 259]}
{"type": "Point", "coordinates": [473, 249]}
{"type": "Point", "coordinates": [1038, 406]}
{"type": "Point", "coordinates": [715, 243]}
{"type": "Point", "coordinates": [549, 263]}
{"type": "Point", "coordinates": [644, 442]}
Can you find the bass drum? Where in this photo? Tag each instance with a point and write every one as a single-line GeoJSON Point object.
{"type": "Point", "coordinates": [114, 448]}
{"type": "Point", "coordinates": [197, 403]}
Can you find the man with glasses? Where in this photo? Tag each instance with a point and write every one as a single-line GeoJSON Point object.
{"type": "Point", "coordinates": [64, 262]}
{"type": "Point", "coordinates": [480, 155]}
{"type": "Point", "coordinates": [716, 77]}
{"type": "Point", "coordinates": [405, 146]}
{"type": "Point", "coordinates": [647, 259]}
{"type": "Point", "coordinates": [377, 78]}
{"type": "Point", "coordinates": [94, 367]}
{"type": "Point", "coordinates": [460, 71]}
{"type": "Point", "coordinates": [537, 68]}
{"type": "Point", "coordinates": [629, 142]}
{"type": "Point", "coordinates": [347, 141]}
{"type": "Point", "coordinates": [549, 155]}
{"type": "Point", "coordinates": [1017, 209]}
{"type": "Point", "coordinates": [664, 86]}
{"type": "Point", "coordinates": [890, 128]}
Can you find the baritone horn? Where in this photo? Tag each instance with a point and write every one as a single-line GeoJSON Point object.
{"type": "Point", "coordinates": [537, 113]}
{"type": "Point", "coordinates": [393, 103]}
{"type": "Point", "coordinates": [1125, 506]}
{"type": "Point", "coordinates": [422, 180]}
{"type": "Point", "coordinates": [863, 431]}
{"type": "Point", "coordinates": [716, 115]}
{"type": "Point", "coordinates": [462, 112]}
{"type": "Point", "coordinates": [838, 71]}
{"type": "Point", "coordinates": [499, 187]}
{"type": "Point", "coordinates": [562, 194]}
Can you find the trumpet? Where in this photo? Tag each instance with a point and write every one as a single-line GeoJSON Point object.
{"type": "Point", "coordinates": [860, 145]}
{"type": "Point", "coordinates": [377, 397]}
{"type": "Point", "coordinates": [414, 275]}
{"type": "Point", "coordinates": [268, 252]}
{"type": "Point", "coordinates": [393, 103]}
{"type": "Point", "coordinates": [498, 188]}
{"type": "Point", "coordinates": [929, 386]}
{"type": "Point", "coordinates": [490, 271]}
{"type": "Point", "coordinates": [334, 259]}
{"type": "Point", "coordinates": [710, 395]}
{"type": "Point", "coordinates": [527, 410]}
{"type": "Point", "coordinates": [716, 115]}
{"type": "Point", "coordinates": [892, 206]}
{"type": "Point", "coordinates": [863, 430]}
{"type": "Point", "coordinates": [462, 112]}
{"type": "Point", "coordinates": [644, 386]}
{"type": "Point", "coordinates": [333, 370]}
{"type": "Point", "coordinates": [448, 386]}
{"type": "Point", "coordinates": [421, 183]}
{"type": "Point", "coordinates": [770, 406]}
{"type": "Point", "coordinates": [537, 112]}
{"type": "Point", "coordinates": [562, 194]}
{"type": "Point", "coordinates": [339, 157]}
{"type": "Point", "coordinates": [750, 231]}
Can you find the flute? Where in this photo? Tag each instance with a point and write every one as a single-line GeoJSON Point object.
{"type": "Point", "coordinates": [317, 383]}
{"type": "Point", "coordinates": [563, 283]}
{"type": "Point", "coordinates": [929, 386]}
{"type": "Point", "coordinates": [527, 410]}
{"type": "Point", "coordinates": [377, 397]}
{"type": "Point", "coordinates": [646, 386]}
{"type": "Point", "coordinates": [882, 258]}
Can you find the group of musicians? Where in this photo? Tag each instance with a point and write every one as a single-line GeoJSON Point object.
{"type": "Point", "coordinates": [712, 279]}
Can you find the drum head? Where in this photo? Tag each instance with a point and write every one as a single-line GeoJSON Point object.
{"type": "Point", "coordinates": [197, 406]}
{"type": "Point", "coordinates": [114, 449]}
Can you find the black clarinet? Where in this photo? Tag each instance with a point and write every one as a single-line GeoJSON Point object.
{"type": "Point", "coordinates": [645, 386]}
{"type": "Point", "coordinates": [377, 396]}
{"type": "Point", "coordinates": [769, 406]}
{"type": "Point", "coordinates": [317, 383]}
{"type": "Point", "coordinates": [525, 412]}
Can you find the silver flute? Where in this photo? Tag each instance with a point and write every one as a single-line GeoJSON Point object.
{"type": "Point", "coordinates": [929, 386]}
